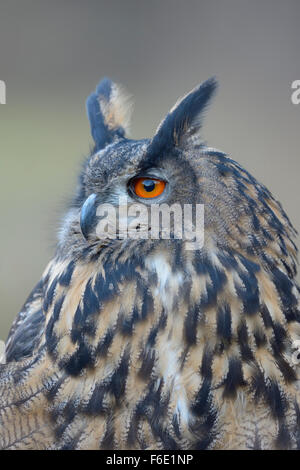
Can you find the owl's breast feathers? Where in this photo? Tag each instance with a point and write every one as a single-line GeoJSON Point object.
{"type": "Point", "coordinates": [166, 349]}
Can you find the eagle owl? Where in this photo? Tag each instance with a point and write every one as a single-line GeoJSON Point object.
{"type": "Point", "coordinates": [141, 343]}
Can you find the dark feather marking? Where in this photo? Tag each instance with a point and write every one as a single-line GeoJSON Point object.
{"type": "Point", "coordinates": [29, 397]}
{"type": "Point", "coordinates": [106, 289]}
{"type": "Point", "coordinates": [143, 409]}
{"type": "Point", "coordinates": [95, 404]}
{"type": "Point", "coordinates": [201, 263]}
{"type": "Point", "coordinates": [206, 364]}
{"type": "Point", "coordinates": [167, 440]}
{"type": "Point", "coordinates": [127, 323]}
{"type": "Point", "coordinates": [249, 265]}
{"type": "Point", "coordinates": [224, 324]}
{"type": "Point", "coordinates": [54, 388]}
{"type": "Point", "coordinates": [177, 260]}
{"type": "Point", "coordinates": [148, 304]}
{"type": "Point", "coordinates": [65, 278]}
{"type": "Point", "coordinates": [26, 336]}
{"type": "Point", "coordinates": [190, 325]}
{"type": "Point", "coordinates": [296, 431]}
{"type": "Point", "coordinates": [60, 429]}
{"type": "Point", "coordinates": [234, 378]}
{"type": "Point", "coordinates": [148, 362]}
{"type": "Point", "coordinates": [90, 303]}
{"type": "Point", "coordinates": [202, 406]}
{"type": "Point", "coordinates": [52, 343]}
{"type": "Point", "coordinates": [84, 322]}
{"type": "Point", "coordinates": [27, 319]}
{"type": "Point", "coordinates": [292, 315]}
{"type": "Point", "coordinates": [50, 295]}
{"type": "Point", "coordinates": [184, 292]}
{"type": "Point", "coordinates": [71, 443]}
{"type": "Point", "coordinates": [157, 423]}
{"type": "Point", "coordinates": [118, 381]}
{"type": "Point", "coordinates": [255, 222]}
{"type": "Point", "coordinates": [70, 411]}
{"type": "Point", "coordinates": [154, 408]}
{"type": "Point", "coordinates": [51, 338]}
{"type": "Point", "coordinates": [260, 338]}
{"type": "Point", "coordinates": [228, 261]}
{"type": "Point", "coordinates": [132, 431]}
{"type": "Point", "coordinates": [202, 402]}
{"type": "Point", "coordinates": [156, 328]}
{"type": "Point", "coordinates": [283, 440]}
{"type": "Point", "coordinates": [267, 235]}
{"type": "Point", "coordinates": [176, 426]}
{"type": "Point", "coordinates": [267, 319]}
{"type": "Point", "coordinates": [278, 342]}
{"type": "Point", "coordinates": [275, 399]}
{"type": "Point", "coordinates": [105, 342]}
{"type": "Point", "coordinates": [287, 371]}
{"type": "Point", "coordinates": [205, 430]}
{"type": "Point", "coordinates": [90, 327]}
{"type": "Point", "coordinates": [57, 308]}
{"type": "Point", "coordinates": [76, 332]}
{"type": "Point", "coordinates": [80, 359]}
{"type": "Point", "coordinates": [124, 271]}
{"type": "Point", "coordinates": [243, 341]}
{"type": "Point", "coordinates": [218, 280]}
{"type": "Point", "coordinates": [284, 288]}
{"type": "Point", "coordinates": [204, 443]}
{"type": "Point", "coordinates": [21, 372]}
{"type": "Point", "coordinates": [283, 245]}
{"type": "Point", "coordinates": [258, 384]}
{"type": "Point", "coordinates": [249, 294]}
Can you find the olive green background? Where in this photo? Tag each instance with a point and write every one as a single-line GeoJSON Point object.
{"type": "Point", "coordinates": [52, 54]}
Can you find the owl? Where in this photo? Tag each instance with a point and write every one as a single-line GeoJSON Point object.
{"type": "Point", "coordinates": [134, 341]}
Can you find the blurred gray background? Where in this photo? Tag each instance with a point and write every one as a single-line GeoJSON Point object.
{"type": "Point", "coordinates": [52, 54]}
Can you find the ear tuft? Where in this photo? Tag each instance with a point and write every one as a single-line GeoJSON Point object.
{"type": "Point", "coordinates": [182, 125]}
{"type": "Point", "coordinates": [109, 113]}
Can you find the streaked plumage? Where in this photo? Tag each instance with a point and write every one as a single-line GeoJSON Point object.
{"type": "Point", "coordinates": [141, 344]}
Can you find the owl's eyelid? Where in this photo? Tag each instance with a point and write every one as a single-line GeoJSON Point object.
{"type": "Point", "coordinates": [151, 175]}
{"type": "Point", "coordinates": [150, 178]}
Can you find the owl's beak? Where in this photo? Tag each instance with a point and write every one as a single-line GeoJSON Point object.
{"type": "Point", "coordinates": [88, 218]}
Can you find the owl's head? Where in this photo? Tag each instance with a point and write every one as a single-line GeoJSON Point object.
{"type": "Point", "coordinates": [174, 168]}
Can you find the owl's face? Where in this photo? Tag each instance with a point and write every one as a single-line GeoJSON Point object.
{"type": "Point", "coordinates": [172, 168]}
{"type": "Point", "coordinates": [123, 173]}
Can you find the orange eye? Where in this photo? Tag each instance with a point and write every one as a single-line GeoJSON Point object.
{"type": "Point", "coordinates": [148, 187]}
